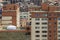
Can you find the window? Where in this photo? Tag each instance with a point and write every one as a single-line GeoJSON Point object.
{"type": "Point", "coordinates": [44, 18]}
{"type": "Point", "coordinates": [30, 18]}
{"type": "Point", "coordinates": [58, 35]}
{"type": "Point", "coordinates": [58, 18]}
{"type": "Point", "coordinates": [59, 27]}
{"type": "Point", "coordinates": [20, 16]}
{"type": "Point", "coordinates": [24, 16]}
{"type": "Point", "coordinates": [59, 22]}
{"type": "Point", "coordinates": [37, 31]}
{"type": "Point", "coordinates": [29, 23]}
{"type": "Point", "coordinates": [0, 17]}
{"type": "Point", "coordinates": [37, 14]}
{"type": "Point", "coordinates": [44, 27]}
{"type": "Point", "coordinates": [37, 35]}
{"type": "Point", "coordinates": [44, 31]}
{"type": "Point", "coordinates": [44, 14]}
{"type": "Point", "coordinates": [0, 12]}
{"type": "Point", "coordinates": [44, 35]}
{"type": "Point", "coordinates": [44, 23]}
{"type": "Point", "coordinates": [37, 27]}
{"type": "Point", "coordinates": [49, 35]}
{"type": "Point", "coordinates": [37, 23]}
{"type": "Point", "coordinates": [58, 31]}
{"type": "Point", "coordinates": [37, 19]}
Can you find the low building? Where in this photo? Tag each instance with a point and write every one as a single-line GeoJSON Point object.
{"type": "Point", "coordinates": [10, 15]}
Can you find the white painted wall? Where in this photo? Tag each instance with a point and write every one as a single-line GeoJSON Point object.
{"type": "Point", "coordinates": [41, 25]}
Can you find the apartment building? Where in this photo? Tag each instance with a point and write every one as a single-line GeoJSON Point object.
{"type": "Point", "coordinates": [25, 21]}
{"type": "Point", "coordinates": [45, 23]}
{"type": "Point", "coordinates": [10, 15]}
{"type": "Point", "coordinates": [39, 26]}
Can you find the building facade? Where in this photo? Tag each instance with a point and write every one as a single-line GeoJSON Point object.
{"type": "Point", "coordinates": [10, 15]}
{"type": "Point", "coordinates": [39, 26]}
{"type": "Point", "coordinates": [25, 21]}
{"type": "Point", "coordinates": [45, 23]}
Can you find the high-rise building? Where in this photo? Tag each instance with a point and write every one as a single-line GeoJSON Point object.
{"type": "Point", "coordinates": [39, 26]}
{"type": "Point", "coordinates": [45, 24]}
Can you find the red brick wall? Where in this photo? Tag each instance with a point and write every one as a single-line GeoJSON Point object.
{"type": "Point", "coordinates": [13, 15]}
{"type": "Point", "coordinates": [10, 7]}
{"type": "Point", "coordinates": [44, 6]}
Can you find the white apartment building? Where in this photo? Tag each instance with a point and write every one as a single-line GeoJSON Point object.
{"type": "Point", "coordinates": [39, 27]}
{"type": "Point", "coordinates": [24, 19]}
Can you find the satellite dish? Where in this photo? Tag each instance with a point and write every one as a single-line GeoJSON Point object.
{"type": "Point", "coordinates": [11, 27]}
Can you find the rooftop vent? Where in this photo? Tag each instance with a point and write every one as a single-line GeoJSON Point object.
{"type": "Point", "coordinates": [11, 27]}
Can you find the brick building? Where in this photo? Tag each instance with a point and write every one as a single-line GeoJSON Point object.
{"type": "Point", "coordinates": [45, 24]}
{"type": "Point", "coordinates": [10, 15]}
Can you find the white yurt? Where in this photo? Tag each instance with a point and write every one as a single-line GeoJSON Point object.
{"type": "Point", "coordinates": [11, 27]}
